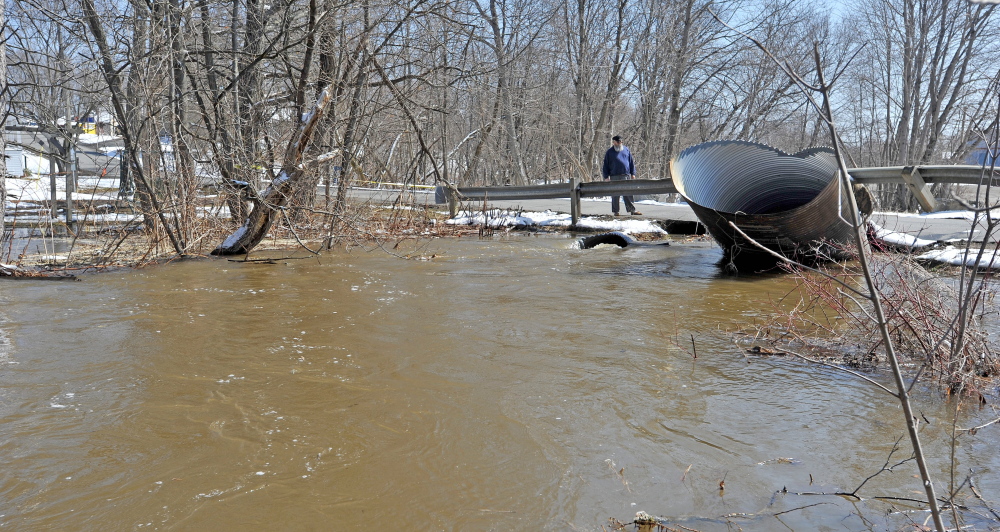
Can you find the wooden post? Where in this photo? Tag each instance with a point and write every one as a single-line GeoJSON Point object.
{"type": "Point", "coordinates": [919, 189]}
{"type": "Point", "coordinates": [452, 202]}
{"type": "Point", "coordinates": [574, 201]}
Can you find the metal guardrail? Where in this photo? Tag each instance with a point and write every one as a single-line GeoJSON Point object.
{"type": "Point", "coordinates": [554, 190]}
{"type": "Point", "coordinates": [380, 184]}
{"type": "Point", "coordinates": [915, 178]}
{"type": "Point", "coordinates": [596, 189]}
{"type": "Point", "coordinates": [961, 174]}
{"type": "Point", "coordinates": [572, 190]}
{"type": "Point", "coordinates": [593, 189]}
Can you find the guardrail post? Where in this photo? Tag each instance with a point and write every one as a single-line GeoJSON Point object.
{"type": "Point", "coordinates": [577, 194]}
{"type": "Point", "coordinates": [917, 186]}
{"type": "Point", "coordinates": [574, 201]}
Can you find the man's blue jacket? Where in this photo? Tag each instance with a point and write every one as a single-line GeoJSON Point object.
{"type": "Point", "coordinates": [618, 163]}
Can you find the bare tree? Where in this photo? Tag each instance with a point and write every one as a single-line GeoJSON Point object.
{"type": "Point", "coordinates": [48, 89]}
{"type": "Point", "coordinates": [926, 68]}
{"type": "Point", "coordinates": [596, 52]}
{"type": "Point", "coordinates": [3, 114]}
{"type": "Point", "coordinates": [513, 25]}
{"type": "Point", "coordinates": [679, 57]}
{"type": "Point", "coordinates": [267, 206]}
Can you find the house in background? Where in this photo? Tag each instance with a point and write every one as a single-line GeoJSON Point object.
{"type": "Point", "coordinates": [980, 155]}
{"type": "Point", "coordinates": [14, 157]}
{"type": "Point", "coordinates": [98, 123]}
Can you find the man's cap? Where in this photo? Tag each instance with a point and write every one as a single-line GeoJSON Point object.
{"type": "Point", "coordinates": [616, 138]}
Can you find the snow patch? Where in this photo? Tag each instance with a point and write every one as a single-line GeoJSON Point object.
{"type": "Point", "coordinates": [504, 218]}
{"type": "Point", "coordinates": [235, 237]}
{"type": "Point", "coordinates": [900, 239]}
{"type": "Point", "coordinates": [91, 138]}
{"type": "Point", "coordinates": [945, 215]}
{"type": "Point", "coordinates": [956, 256]}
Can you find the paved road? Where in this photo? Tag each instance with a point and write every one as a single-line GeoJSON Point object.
{"type": "Point", "coordinates": [920, 226]}
{"type": "Point", "coordinates": [92, 159]}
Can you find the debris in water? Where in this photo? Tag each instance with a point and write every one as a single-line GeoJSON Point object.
{"type": "Point", "coordinates": [615, 237]}
{"type": "Point", "coordinates": [779, 461]}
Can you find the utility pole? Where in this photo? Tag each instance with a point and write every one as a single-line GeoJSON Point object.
{"type": "Point", "coordinates": [71, 187]}
{"type": "Point", "coordinates": [71, 174]}
{"type": "Point", "coordinates": [53, 195]}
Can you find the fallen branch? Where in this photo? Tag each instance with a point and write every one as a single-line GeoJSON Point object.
{"type": "Point", "coordinates": [12, 272]}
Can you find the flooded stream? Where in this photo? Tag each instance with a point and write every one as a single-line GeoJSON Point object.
{"type": "Point", "coordinates": [506, 384]}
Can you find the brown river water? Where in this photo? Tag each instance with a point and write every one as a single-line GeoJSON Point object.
{"type": "Point", "coordinates": [505, 384]}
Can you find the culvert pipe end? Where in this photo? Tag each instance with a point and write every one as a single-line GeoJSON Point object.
{"type": "Point", "coordinates": [792, 204]}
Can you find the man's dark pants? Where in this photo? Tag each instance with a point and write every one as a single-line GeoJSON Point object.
{"type": "Point", "coordinates": [615, 206]}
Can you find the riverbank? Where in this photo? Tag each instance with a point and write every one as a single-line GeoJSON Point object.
{"type": "Point", "coordinates": [113, 234]}
{"type": "Point", "coordinates": [114, 237]}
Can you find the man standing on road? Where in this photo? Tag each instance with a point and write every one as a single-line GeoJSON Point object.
{"type": "Point", "coordinates": [619, 166]}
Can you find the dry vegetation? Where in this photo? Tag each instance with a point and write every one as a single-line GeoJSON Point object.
{"type": "Point", "coordinates": [822, 321]}
{"type": "Point", "coordinates": [101, 246]}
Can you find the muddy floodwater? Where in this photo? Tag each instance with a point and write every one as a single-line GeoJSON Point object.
{"type": "Point", "coordinates": [504, 384]}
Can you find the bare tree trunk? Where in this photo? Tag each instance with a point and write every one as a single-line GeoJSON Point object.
{"type": "Point", "coordinates": [613, 86]}
{"type": "Point", "coordinates": [350, 133]}
{"type": "Point", "coordinates": [267, 206]}
{"type": "Point", "coordinates": [184, 185]}
{"type": "Point", "coordinates": [248, 89]}
{"type": "Point", "coordinates": [499, 46]}
{"type": "Point", "coordinates": [112, 77]}
{"type": "Point", "coordinates": [677, 82]}
{"type": "Point", "coordinates": [3, 117]}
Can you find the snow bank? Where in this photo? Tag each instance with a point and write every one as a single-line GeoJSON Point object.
{"type": "Point", "coordinates": [956, 256]}
{"type": "Point", "coordinates": [37, 190]}
{"type": "Point", "coordinates": [91, 138]}
{"type": "Point", "coordinates": [624, 225]}
{"type": "Point", "coordinates": [942, 215]}
{"type": "Point", "coordinates": [506, 218]}
{"type": "Point", "coordinates": [899, 239]}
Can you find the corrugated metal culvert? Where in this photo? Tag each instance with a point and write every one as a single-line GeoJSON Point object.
{"type": "Point", "coordinates": [792, 204]}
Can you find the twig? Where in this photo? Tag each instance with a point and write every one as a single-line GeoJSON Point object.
{"type": "Point", "coordinates": [284, 214]}
{"type": "Point", "coordinates": [800, 508]}
{"type": "Point", "coordinates": [979, 496]}
{"type": "Point", "coordinates": [885, 467]}
{"type": "Point", "coordinates": [973, 430]}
